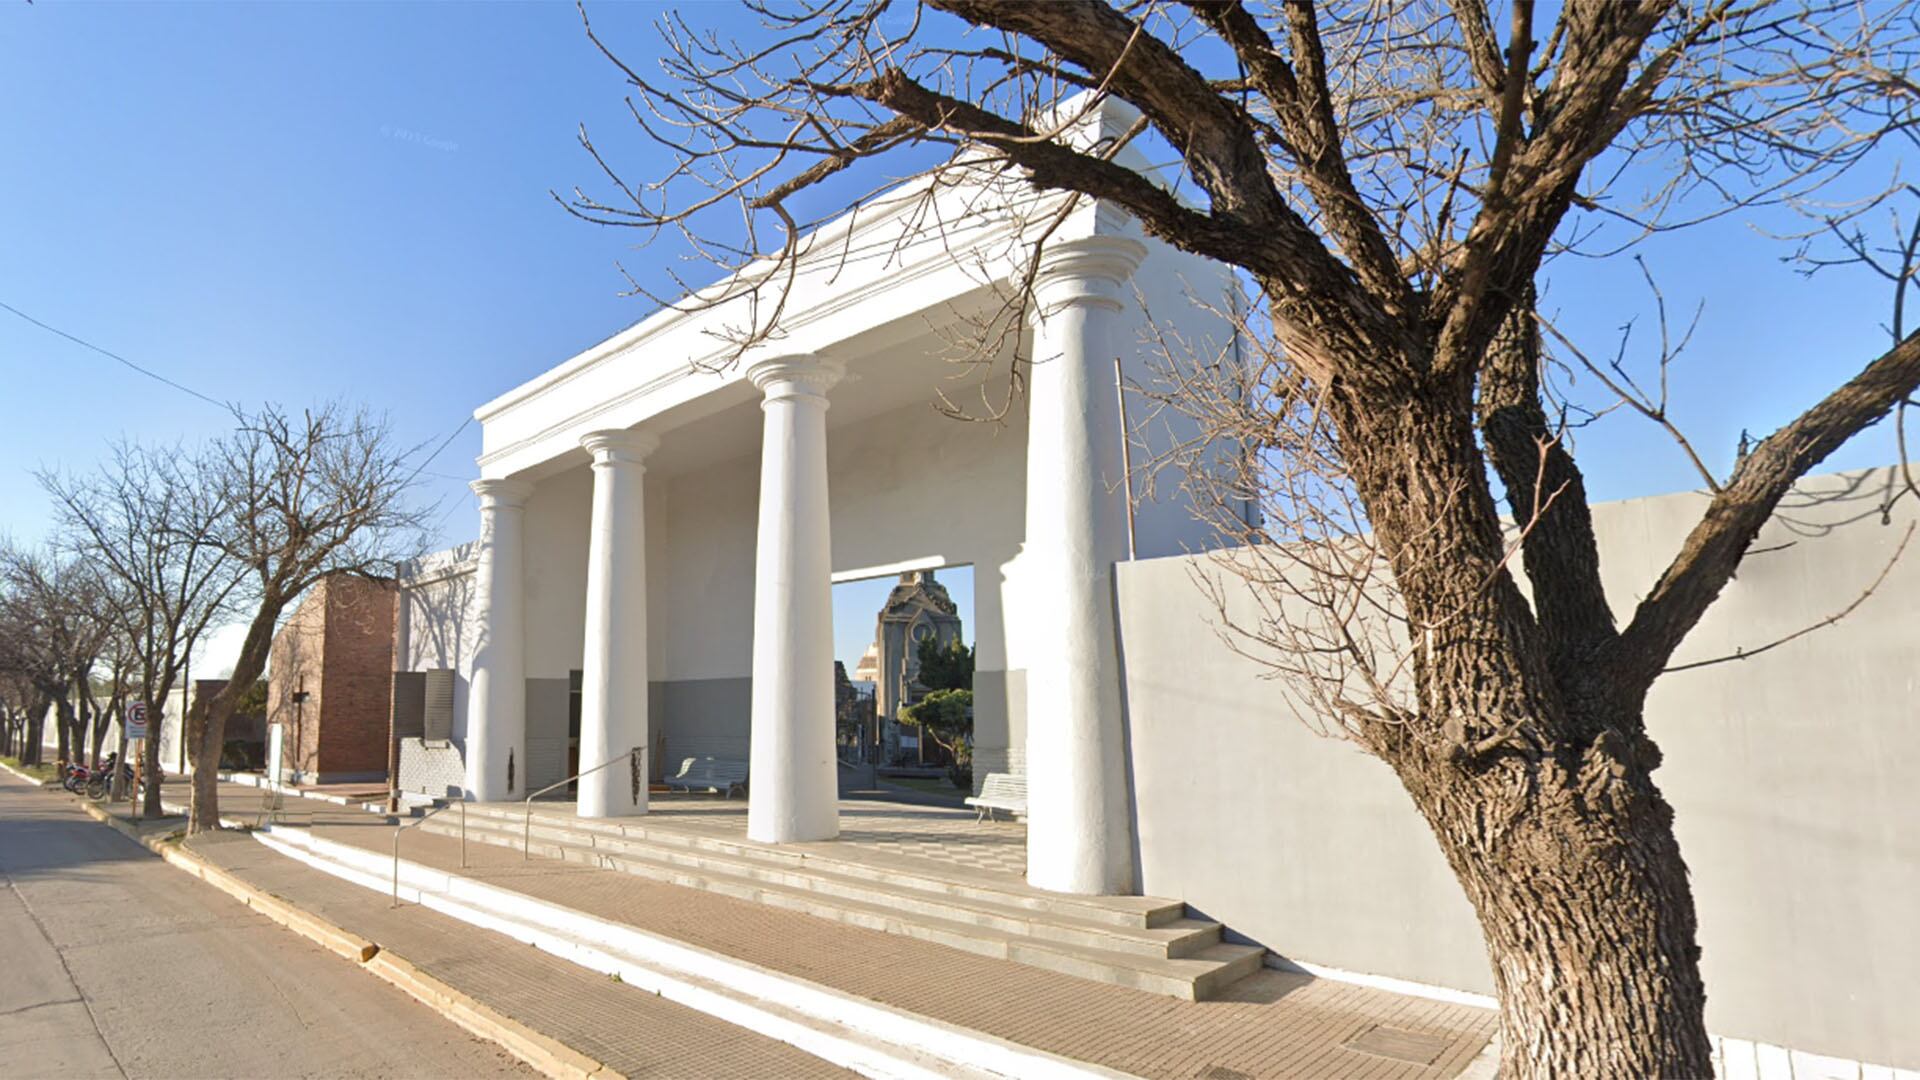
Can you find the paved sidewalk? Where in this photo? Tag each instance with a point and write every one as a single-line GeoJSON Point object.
{"type": "Point", "coordinates": [1272, 1024]}
{"type": "Point", "coordinates": [116, 965]}
{"type": "Point", "coordinates": [632, 1032]}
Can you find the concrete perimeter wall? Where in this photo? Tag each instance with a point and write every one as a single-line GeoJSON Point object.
{"type": "Point", "coordinates": [1795, 777]}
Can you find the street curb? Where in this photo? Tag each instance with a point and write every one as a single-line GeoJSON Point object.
{"type": "Point", "coordinates": [540, 1052]}
{"type": "Point", "coordinates": [23, 776]}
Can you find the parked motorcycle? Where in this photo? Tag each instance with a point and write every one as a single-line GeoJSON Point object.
{"type": "Point", "coordinates": [74, 776]}
{"type": "Point", "coordinates": [101, 780]}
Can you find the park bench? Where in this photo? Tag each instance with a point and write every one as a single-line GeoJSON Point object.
{"type": "Point", "coordinates": [709, 774]}
{"type": "Point", "coordinates": [1000, 791]}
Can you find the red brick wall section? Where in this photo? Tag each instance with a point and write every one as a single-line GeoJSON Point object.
{"type": "Point", "coordinates": [357, 676]}
{"type": "Point", "coordinates": [297, 663]}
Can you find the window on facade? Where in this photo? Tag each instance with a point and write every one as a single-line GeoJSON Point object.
{"type": "Point", "coordinates": [573, 704]}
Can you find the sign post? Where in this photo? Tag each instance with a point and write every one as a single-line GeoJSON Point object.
{"type": "Point", "coordinates": [136, 747]}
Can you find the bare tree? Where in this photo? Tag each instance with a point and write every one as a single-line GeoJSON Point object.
{"type": "Point", "coordinates": [23, 673]}
{"type": "Point", "coordinates": [302, 496]}
{"type": "Point", "coordinates": [17, 699]}
{"type": "Point", "coordinates": [144, 523]}
{"type": "Point", "coordinates": [55, 637]}
{"type": "Point", "coordinates": [116, 670]}
{"type": "Point", "coordinates": [1389, 177]}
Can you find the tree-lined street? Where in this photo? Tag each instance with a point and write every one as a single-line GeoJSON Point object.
{"type": "Point", "coordinates": [119, 965]}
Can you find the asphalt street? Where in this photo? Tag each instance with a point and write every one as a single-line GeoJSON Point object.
{"type": "Point", "coordinates": [113, 963]}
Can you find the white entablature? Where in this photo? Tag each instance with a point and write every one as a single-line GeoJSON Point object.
{"type": "Point", "coordinates": [921, 256]}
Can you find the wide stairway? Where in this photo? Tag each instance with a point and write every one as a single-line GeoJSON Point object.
{"type": "Point", "coordinates": [1141, 942]}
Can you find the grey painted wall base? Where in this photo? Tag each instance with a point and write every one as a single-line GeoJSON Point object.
{"type": "Point", "coordinates": [1790, 773]}
{"type": "Point", "coordinates": [546, 735]}
{"type": "Point", "coordinates": [699, 718]}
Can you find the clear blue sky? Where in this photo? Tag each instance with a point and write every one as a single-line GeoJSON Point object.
{"type": "Point", "coordinates": [295, 202]}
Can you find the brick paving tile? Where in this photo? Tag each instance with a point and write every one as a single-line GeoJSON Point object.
{"type": "Point", "coordinates": [1271, 1024]}
{"type": "Point", "coordinates": [634, 1032]}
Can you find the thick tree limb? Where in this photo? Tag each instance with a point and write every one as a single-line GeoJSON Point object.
{"type": "Point", "coordinates": [1483, 49]}
{"type": "Point", "coordinates": [1304, 105]}
{"type": "Point", "coordinates": [1221, 147]}
{"type": "Point", "coordinates": [1602, 42]}
{"type": "Point", "coordinates": [1715, 546]}
{"type": "Point", "coordinates": [1560, 554]}
{"type": "Point", "coordinates": [1053, 165]}
{"type": "Point", "coordinates": [1218, 140]}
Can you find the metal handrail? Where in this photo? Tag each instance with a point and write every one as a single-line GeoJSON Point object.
{"type": "Point", "coordinates": [404, 826]}
{"type": "Point", "coordinates": [637, 756]}
{"type": "Point", "coordinates": [272, 803]}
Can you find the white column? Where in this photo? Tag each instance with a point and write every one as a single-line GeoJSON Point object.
{"type": "Point", "coordinates": [497, 691]}
{"type": "Point", "coordinates": [1079, 836]}
{"type": "Point", "coordinates": [613, 666]}
{"type": "Point", "coordinates": [794, 784]}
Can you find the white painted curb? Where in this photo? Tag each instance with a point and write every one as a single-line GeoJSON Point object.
{"type": "Point", "coordinates": [24, 776]}
{"type": "Point", "coordinates": [255, 780]}
{"type": "Point", "coordinates": [855, 1033]}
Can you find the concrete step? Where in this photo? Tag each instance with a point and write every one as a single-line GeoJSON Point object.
{"type": "Point", "coordinates": [1126, 911]}
{"type": "Point", "coordinates": [1178, 938]}
{"type": "Point", "coordinates": [1183, 959]}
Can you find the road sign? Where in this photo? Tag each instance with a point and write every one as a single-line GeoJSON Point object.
{"type": "Point", "coordinates": [137, 720]}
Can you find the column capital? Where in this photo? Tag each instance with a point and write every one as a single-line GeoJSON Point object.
{"type": "Point", "coordinates": [622, 446]}
{"type": "Point", "coordinates": [800, 375]}
{"type": "Point", "coordinates": [500, 492]}
{"type": "Point", "coordinates": [1090, 270]}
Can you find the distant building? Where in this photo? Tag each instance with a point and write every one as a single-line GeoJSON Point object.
{"type": "Point", "coordinates": [329, 682]}
{"type": "Point", "coordinates": [916, 610]}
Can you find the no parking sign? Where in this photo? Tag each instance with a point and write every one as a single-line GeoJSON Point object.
{"type": "Point", "coordinates": [137, 721]}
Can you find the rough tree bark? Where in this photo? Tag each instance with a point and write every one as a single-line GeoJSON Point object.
{"type": "Point", "coordinates": [1555, 828]}
{"type": "Point", "coordinates": [207, 722]}
{"type": "Point", "coordinates": [63, 726]}
{"type": "Point", "coordinates": [35, 732]}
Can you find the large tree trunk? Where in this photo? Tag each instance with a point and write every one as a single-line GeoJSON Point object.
{"type": "Point", "coordinates": [117, 784]}
{"type": "Point", "coordinates": [150, 761]}
{"type": "Point", "coordinates": [63, 728]}
{"type": "Point", "coordinates": [101, 722]}
{"type": "Point", "coordinates": [35, 733]}
{"type": "Point", "coordinates": [1536, 782]}
{"type": "Point", "coordinates": [204, 745]}
{"type": "Point", "coordinates": [85, 714]}
{"type": "Point", "coordinates": [1576, 877]}
{"type": "Point", "coordinates": [204, 810]}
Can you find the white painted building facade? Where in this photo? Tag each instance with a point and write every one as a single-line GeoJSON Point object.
{"type": "Point", "coordinates": [667, 520]}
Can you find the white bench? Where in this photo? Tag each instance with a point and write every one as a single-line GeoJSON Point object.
{"type": "Point", "coordinates": [1000, 791]}
{"type": "Point", "coordinates": [709, 774]}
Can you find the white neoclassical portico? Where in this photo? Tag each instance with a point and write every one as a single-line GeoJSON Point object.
{"type": "Point", "coordinates": [663, 519]}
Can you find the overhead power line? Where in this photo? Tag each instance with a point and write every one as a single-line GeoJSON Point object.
{"type": "Point", "coordinates": [111, 355]}
{"type": "Point", "coordinates": [234, 409]}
